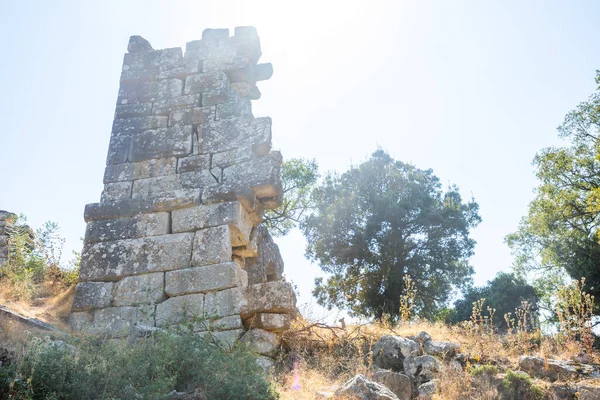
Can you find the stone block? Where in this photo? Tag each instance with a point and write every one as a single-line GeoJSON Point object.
{"type": "Point", "coordinates": [116, 209]}
{"type": "Point", "coordinates": [224, 303]}
{"type": "Point", "coordinates": [215, 97]}
{"type": "Point", "coordinates": [271, 322]}
{"type": "Point", "coordinates": [133, 110]}
{"type": "Point", "coordinates": [91, 295]}
{"type": "Point", "coordinates": [212, 246]}
{"type": "Point", "coordinates": [202, 83]}
{"type": "Point", "coordinates": [268, 265]}
{"type": "Point", "coordinates": [226, 323]}
{"type": "Point", "coordinates": [262, 342]}
{"type": "Point", "coordinates": [180, 70]}
{"type": "Point", "coordinates": [142, 225]}
{"type": "Point", "coordinates": [137, 44]}
{"type": "Point", "coordinates": [169, 187]}
{"type": "Point", "coordinates": [112, 260]}
{"type": "Point", "coordinates": [172, 200]}
{"type": "Point", "coordinates": [180, 309]}
{"type": "Point", "coordinates": [234, 107]}
{"type": "Point", "coordinates": [118, 321]}
{"type": "Point", "coordinates": [262, 72]}
{"type": "Point", "coordinates": [142, 289]}
{"type": "Point", "coordinates": [231, 157]}
{"type": "Point", "coordinates": [137, 124]}
{"type": "Point", "coordinates": [116, 191]}
{"type": "Point", "coordinates": [231, 133]}
{"type": "Point", "coordinates": [144, 92]}
{"type": "Point", "coordinates": [138, 75]}
{"type": "Point", "coordinates": [159, 143]}
{"type": "Point", "coordinates": [164, 107]}
{"type": "Point", "coordinates": [398, 383]}
{"type": "Point", "coordinates": [118, 149]}
{"type": "Point", "coordinates": [203, 279]}
{"type": "Point", "coordinates": [191, 116]}
{"type": "Point", "coordinates": [261, 174]}
{"type": "Point", "coordinates": [247, 42]}
{"type": "Point", "coordinates": [237, 68]}
{"type": "Point", "coordinates": [150, 59]}
{"type": "Point", "coordinates": [140, 170]}
{"type": "Point", "coordinates": [245, 90]}
{"type": "Point", "coordinates": [206, 216]}
{"type": "Point", "coordinates": [80, 321]}
{"type": "Point", "coordinates": [193, 163]}
{"type": "Point", "coordinates": [270, 297]}
{"type": "Point", "coordinates": [225, 339]}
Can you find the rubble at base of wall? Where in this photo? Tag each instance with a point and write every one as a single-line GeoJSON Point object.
{"type": "Point", "coordinates": [177, 235]}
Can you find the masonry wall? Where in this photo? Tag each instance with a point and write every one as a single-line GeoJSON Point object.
{"type": "Point", "coordinates": [176, 236]}
{"type": "Point", "coordinates": [5, 226]}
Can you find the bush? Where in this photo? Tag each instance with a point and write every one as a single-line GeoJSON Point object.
{"type": "Point", "coordinates": [484, 370]}
{"type": "Point", "coordinates": [150, 368]}
{"type": "Point", "coordinates": [518, 385]}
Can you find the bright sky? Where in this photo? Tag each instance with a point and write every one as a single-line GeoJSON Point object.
{"type": "Point", "coordinates": [471, 89]}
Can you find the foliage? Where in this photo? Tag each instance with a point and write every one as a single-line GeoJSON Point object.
{"type": "Point", "coordinates": [299, 177]}
{"type": "Point", "coordinates": [381, 221]}
{"type": "Point", "coordinates": [149, 368]}
{"type": "Point", "coordinates": [574, 310]}
{"type": "Point", "coordinates": [560, 233]}
{"type": "Point", "coordinates": [505, 293]}
{"type": "Point", "coordinates": [407, 299]}
{"type": "Point", "coordinates": [484, 370]}
{"type": "Point", "coordinates": [518, 385]}
{"type": "Point", "coordinates": [35, 257]}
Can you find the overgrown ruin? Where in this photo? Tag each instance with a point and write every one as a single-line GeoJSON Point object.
{"type": "Point", "coordinates": [5, 224]}
{"type": "Point", "coordinates": [176, 237]}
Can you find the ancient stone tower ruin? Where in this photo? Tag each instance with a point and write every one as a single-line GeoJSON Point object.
{"type": "Point", "coordinates": [176, 236]}
{"type": "Point", "coordinates": [5, 225]}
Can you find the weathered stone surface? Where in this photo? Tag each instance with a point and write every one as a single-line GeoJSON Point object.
{"type": "Point", "coordinates": [111, 260]}
{"type": "Point", "coordinates": [180, 70]}
{"type": "Point", "coordinates": [427, 390]}
{"type": "Point", "coordinates": [421, 368]}
{"type": "Point", "coordinates": [204, 279]}
{"type": "Point", "coordinates": [80, 321]}
{"type": "Point", "coordinates": [180, 309]}
{"type": "Point", "coordinates": [443, 350]}
{"type": "Point", "coordinates": [212, 246]}
{"type": "Point", "coordinates": [118, 321]}
{"type": "Point", "coordinates": [262, 342]}
{"type": "Point", "coordinates": [261, 174]}
{"type": "Point", "coordinates": [238, 68]}
{"type": "Point", "coordinates": [263, 72]}
{"type": "Point", "coordinates": [423, 337]}
{"type": "Point", "coordinates": [553, 370]}
{"type": "Point", "coordinates": [138, 75]}
{"type": "Point", "coordinates": [91, 295]}
{"type": "Point", "coordinates": [226, 323]}
{"type": "Point", "coordinates": [267, 364]}
{"type": "Point", "coordinates": [234, 107]}
{"type": "Point", "coordinates": [118, 149]}
{"type": "Point", "coordinates": [205, 216]}
{"type": "Point", "coordinates": [223, 338]}
{"type": "Point", "coordinates": [398, 383]}
{"type": "Point", "coordinates": [172, 191]}
{"type": "Point", "coordinates": [140, 170]}
{"type": "Point", "coordinates": [138, 43]}
{"type": "Point", "coordinates": [268, 266]}
{"type": "Point", "coordinates": [245, 90]}
{"type": "Point", "coordinates": [224, 303]}
{"type": "Point", "coordinates": [390, 351]}
{"type": "Point", "coordinates": [143, 92]}
{"type": "Point", "coordinates": [142, 289]}
{"type": "Point", "coordinates": [133, 110]}
{"type": "Point", "coordinates": [588, 392]}
{"type": "Point", "coordinates": [227, 134]}
{"type": "Point", "coordinates": [230, 157]}
{"type": "Point", "coordinates": [270, 297]}
{"type": "Point", "coordinates": [194, 163]}
{"type": "Point", "coordinates": [159, 143]}
{"type": "Point", "coordinates": [191, 116]}
{"type": "Point", "coordinates": [165, 106]}
{"type": "Point", "coordinates": [150, 59]}
{"type": "Point", "coordinates": [142, 225]}
{"type": "Point", "coordinates": [116, 191]}
{"type": "Point", "coordinates": [271, 322]}
{"type": "Point", "coordinates": [202, 83]}
{"type": "Point", "coordinates": [360, 388]}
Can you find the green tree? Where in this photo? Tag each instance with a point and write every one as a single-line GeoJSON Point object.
{"type": "Point", "coordinates": [298, 177]}
{"type": "Point", "coordinates": [381, 221]}
{"type": "Point", "coordinates": [560, 232]}
{"type": "Point", "coordinates": [504, 293]}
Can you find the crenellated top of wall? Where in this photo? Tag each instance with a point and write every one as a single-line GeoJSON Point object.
{"type": "Point", "coordinates": [189, 174]}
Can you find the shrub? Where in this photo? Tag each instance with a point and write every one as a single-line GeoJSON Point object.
{"type": "Point", "coordinates": [150, 368]}
{"type": "Point", "coordinates": [484, 370]}
{"type": "Point", "coordinates": [518, 385]}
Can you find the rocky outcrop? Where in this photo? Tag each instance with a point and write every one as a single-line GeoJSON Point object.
{"type": "Point", "coordinates": [360, 388]}
{"type": "Point", "coordinates": [556, 370]}
{"type": "Point", "coordinates": [389, 352]}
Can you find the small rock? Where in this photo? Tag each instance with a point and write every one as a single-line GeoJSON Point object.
{"type": "Point", "coordinates": [265, 363]}
{"type": "Point", "coordinates": [398, 383]}
{"type": "Point", "coordinates": [137, 44]}
{"type": "Point", "coordinates": [390, 351]}
{"type": "Point", "coordinates": [421, 369]}
{"type": "Point", "coordinates": [427, 390]}
{"type": "Point", "coordinates": [423, 337]}
{"type": "Point", "coordinates": [360, 388]}
{"type": "Point", "coordinates": [443, 350]}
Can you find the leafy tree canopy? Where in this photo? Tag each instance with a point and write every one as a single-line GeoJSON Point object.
{"type": "Point", "coordinates": [504, 293]}
{"type": "Point", "coordinates": [298, 177]}
{"type": "Point", "coordinates": [560, 232]}
{"type": "Point", "coordinates": [381, 221]}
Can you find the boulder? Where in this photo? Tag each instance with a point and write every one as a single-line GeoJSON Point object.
{"type": "Point", "coordinates": [360, 388]}
{"type": "Point", "coordinates": [427, 390]}
{"type": "Point", "coordinates": [398, 383]}
{"type": "Point", "coordinates": [421, 369]}
{"type": "Point", "coordinates": [422, 337]}
{"type": "Point", "coordinates": [390, 351]}
{"type": "Point", "coordinates": [553, 370]}
{"type": "Point", "coordinates": [443, 350]}
{"type": "Point", "coordinates": [587, 392]}
{"type": "Point", "coordinates": [263, 342]}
